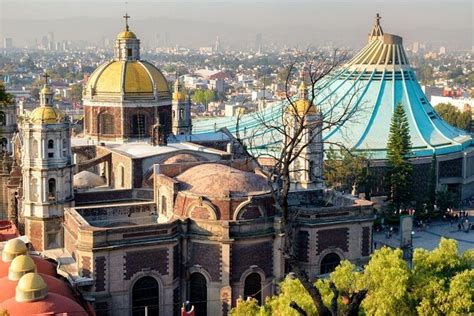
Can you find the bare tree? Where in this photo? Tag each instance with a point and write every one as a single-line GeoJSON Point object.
{"type": "Point", "coordinates": [287, 144]}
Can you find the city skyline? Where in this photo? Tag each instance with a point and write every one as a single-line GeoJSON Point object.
{"type": "Point", "coordinates": [190, 24]}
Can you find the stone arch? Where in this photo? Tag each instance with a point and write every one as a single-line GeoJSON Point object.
{"type": "Point", "coordinates": [203, 272]}
{"type": "Point", "coordinates": [249, 272]}
{"type": "Point", "coordinates": [3, 144]}
{"type": "Point", "coordinates": [106, 123]}
{"type": "Point", "coordinates": [3, 118]}
{"type": "Point", "coordinates": [202, 209]}
{"type": "Point", "coordinates": [329, 260]}
{"type": "Point", "coordinates": [140, 276]}
{"type": "Point", "coordinates": [120, 176]}
{"type": "Point", "coordinates": [243, 212]}
{"type": "Point", "coordinates": [198, 293]}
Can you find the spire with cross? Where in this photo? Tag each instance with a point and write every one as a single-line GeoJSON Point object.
{"type": "Point", "coordinates": [46, 76]}
{"type": "Point", "coordinates": [377, 29]}
{"type": "Point", "coordinates": [126, 17]}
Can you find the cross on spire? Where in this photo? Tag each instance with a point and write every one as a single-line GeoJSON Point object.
{"type": "Point", "coordinates": [377, 19]}
{"type": "Point", "coordinates": [126, 17]}
{"type": "Point", "coordinates": [46, 76]}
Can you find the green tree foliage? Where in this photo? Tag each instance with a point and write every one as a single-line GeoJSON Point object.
{"type": "Point", "coordinates": [431, 191]}
{"type": "Point", "coordinates": [425, 74]}
{"type": "Point", "coordinates": [5, 97]}
{"type": "Point", "coordinates": [204, 96]}
{"type": "Point", "coordinates": [343, 169]}
{"type": "Point", "coordinates": [398, 153]}
{"type": "Point", "coordinates": [441, 282]}
{"type": "Point", "coordinates": [76, 92]}
{"type": "Point", "coordinates": [445, 199]}
{"type": "Point", "coordinates": [453, 116]}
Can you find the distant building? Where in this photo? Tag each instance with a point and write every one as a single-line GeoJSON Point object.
{"type": "Point", "coordinates": [442, 50]}
{"type": "Point", "coordinates": [8, 43]}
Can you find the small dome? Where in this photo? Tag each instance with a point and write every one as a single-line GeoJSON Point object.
{"type": "Point", "coordinates": [303, 107]}
{"type": "Point", "coordinates": [137, 78]}
{"type": "Point", "coordinates": [31, 287]}
{"type": "Point", "coordinates": [13, 248]}
{"type": "Point", "coordinates": [53, 304]}
{"type": "Point", "coordinates": [126, 35]}
{"type": "Point", "coordinates": [86, 180]}
{"type": "Point", "coordinates": [181, 158]}
{"type": "Point", "coordinates": [46, 90]}
{"type": "Point", "coordinates": [220, 180]}
{"type": "Point", "coordinates": [46, 115]}
{"type": "Point", "coordinates": [20, 266]}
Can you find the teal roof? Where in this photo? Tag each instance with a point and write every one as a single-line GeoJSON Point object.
{"type": "Point", "coordinates": [377, 79]}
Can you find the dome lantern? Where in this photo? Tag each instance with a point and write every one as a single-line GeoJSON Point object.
{"type": "Point", "coordinates": [127, 45]}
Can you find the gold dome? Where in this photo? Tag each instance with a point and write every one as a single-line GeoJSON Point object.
{"type": "Point", "coordinates": [135, 78]}
{"type": "Point", "coordinates": [46, 90]}
{"type": "Point", "coordinates": [20, 266]}
{"type": "Point", "coordinates": [30, 287]}
{"type": "Point", "coordinates": [46, 115]}
{"type": "Point", "coordinates": [126, 35]}
{"type": "Point", "coordinates": [303, 107]}
{"type": "Point", "coordinates": [13, 248]}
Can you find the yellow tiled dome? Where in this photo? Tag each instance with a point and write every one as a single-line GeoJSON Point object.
{"type": "Point", "coordinates": [46, 90]}
{"type": "Point", "coordinates": [304, 107]}
{"type": "Point", "coordinates": [13, 248]}
{"type": "Point", "coordinates": [20, 266]}
{"type": "Point", "coordinates": [127, 77]}
{"type": "Point", "coordinates": [126, 35]}
{"type": "Point", "coordinates": [46, 115]}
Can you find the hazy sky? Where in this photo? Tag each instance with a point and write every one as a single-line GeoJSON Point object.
{"type": "Point", "coordinates": [198, 22]}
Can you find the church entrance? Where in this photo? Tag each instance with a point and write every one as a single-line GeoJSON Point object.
{"type": "Point", "coordinates": [145, 294]}
{"type": "Point", "coordinates": [198, 293]}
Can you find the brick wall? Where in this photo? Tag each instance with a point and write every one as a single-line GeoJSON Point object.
{"type": "Point", "coordinates": [302, 248]}
{"type": "Point", "coordinates": [245, 255]}
{"type": "Point", "coordinates": [154, 259]}
{"type": "Point", "coordinates": [86, 266]}
{"type": "Point", "coordinates": [208, 256]}
{"type": "Point", "coordinates": [333, 238]}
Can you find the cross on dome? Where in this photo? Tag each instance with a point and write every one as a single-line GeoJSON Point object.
{"type": "Point", "coordinates": [45, 76]}
{"type": "Point", "coordinates": [126, 17]}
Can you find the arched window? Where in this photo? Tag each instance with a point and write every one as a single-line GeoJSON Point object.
{"type": "Point", "coordinates": [138, 125]}
{"type": "Point", "coordinates": [50, 148]}
{"type": "Point", "coordinates": [145, 293]}
{"type": "Point", "coordinates": [121, 177]}
{"type": "Point", "coordinates": [3, 144]}
{"type": "Point", "coordinates": [34, 190]}
{"type": "Point", "coordinates": [198, 293]}
{"type": "Point", "coordinates": [329, 263]}
{"type": "Point", "coordinates": [51, 189]}
{"type": "Point", "coordinates": [34, 149]}
{"type": "Point", "coordinates": [181, 114]}
{"type": "Point", "coordinates": [164, 204]}
{"type": "Point", "coordinates": [106, 122]}
{"type": "Point", "coordinates": [64, 147]}
{"type": "Point", "coordinates": [253, 287]}
{"type": "Point", "coordinates": [3, 119]}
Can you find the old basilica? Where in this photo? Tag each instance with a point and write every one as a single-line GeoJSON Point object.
{"type": "Point", "coordinates": [138, 212]}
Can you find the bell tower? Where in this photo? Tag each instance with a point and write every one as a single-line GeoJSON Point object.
{"type": "Point", "coordinates": [306, 171]}
{"type": "Point", "coordinates": [181, 111]}
{"type": "Point", "coordinates": [47, 172]}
